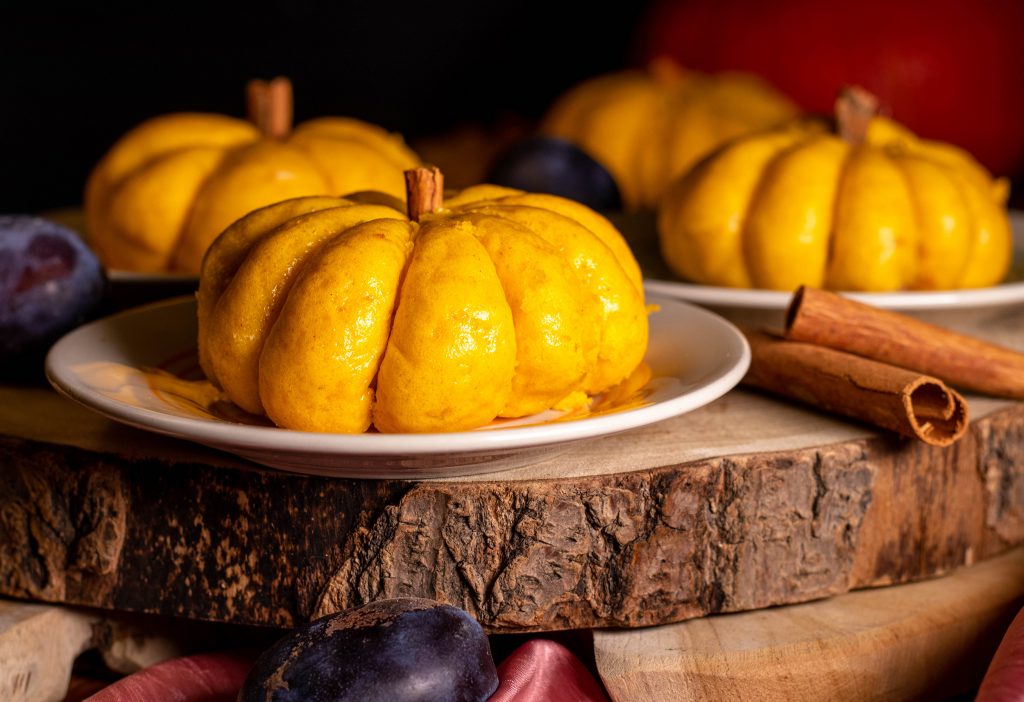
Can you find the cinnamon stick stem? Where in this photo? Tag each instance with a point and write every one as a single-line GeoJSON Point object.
{"type": "Point", "coordinates": [893, 398]}
{"type": "Point", "coordinates": [827, 319]}
{"type": "Point", "coordinates": [270, 105]}
{"type": "Point", "coordinates": [854, 109]}
{"type": "Point", "coordinates": [424, 190]}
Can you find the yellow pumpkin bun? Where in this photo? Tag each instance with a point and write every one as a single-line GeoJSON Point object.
{"type": "Point", "coordinates": [646, 127]}
{"type": "Point", "coordinates": [872, 208]}
{"type": "Point", "coordinates": [169, 186]}
{"type": "Point", "coordinates": [329, 314]}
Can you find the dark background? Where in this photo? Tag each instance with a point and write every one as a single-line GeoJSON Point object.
{"type": "Point", "coordinates": [75, 80]}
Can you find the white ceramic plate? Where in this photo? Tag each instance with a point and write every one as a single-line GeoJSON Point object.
{"type": "Point", "coordinates": [1008, 293]}
{"type": "Point", "coordinates": [139, 367]}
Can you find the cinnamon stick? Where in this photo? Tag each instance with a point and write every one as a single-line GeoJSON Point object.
{"type": "Point", "coordinates": [893, 398]}
{"type": "Point", "coordinates": [827, 319]}
{"type": "Point", "coordinates": [270, 105]}
{"type": "Point", "coordinates": [855, 107]}
{"type": "Point", "coordinates": [424, 191]}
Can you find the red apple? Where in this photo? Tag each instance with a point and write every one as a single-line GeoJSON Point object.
{"type": "Point", "coordinates": [951, 70]}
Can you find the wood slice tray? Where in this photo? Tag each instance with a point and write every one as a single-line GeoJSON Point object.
{"type": "Point", "coordinates": [930, 640]}
{"type": "Point", "coordinates": [746, 503]}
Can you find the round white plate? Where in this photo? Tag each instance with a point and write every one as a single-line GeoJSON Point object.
{"type": "Point", "coordinates": [1009, 292]}
{"type": "Point", "coordinates": [139, 367]}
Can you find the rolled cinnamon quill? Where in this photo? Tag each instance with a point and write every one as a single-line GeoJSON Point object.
{"type": "Point", "coordinates": [893, 398]}
{"type": "Point", "coordinates": [827, 319]}
{"type": "Point", "coordinates": [269, 104]}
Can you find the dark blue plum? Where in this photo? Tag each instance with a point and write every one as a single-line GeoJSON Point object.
{"type": "Point", "coordinates": [545, 164]}
{"type": "Point", "coordinates": [401, 650]}
{"type": "Point", "coordinates": [49, 282]}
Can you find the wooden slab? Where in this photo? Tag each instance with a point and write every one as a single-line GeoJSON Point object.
{"type": "Point", "coordinates": [744, 504]}
{"type": "Point", "coordinates": [926, 640]}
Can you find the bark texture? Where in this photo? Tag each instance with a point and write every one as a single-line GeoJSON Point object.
{"type": "Point", "coordinates": [621, 550]}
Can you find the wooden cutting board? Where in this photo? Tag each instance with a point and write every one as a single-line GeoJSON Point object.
{"type": "Point", "coordinates": [926, 640]}
{"type": "Point", "coordinates": [747, 503]}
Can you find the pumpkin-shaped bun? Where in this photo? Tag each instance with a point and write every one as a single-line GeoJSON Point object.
{"type": "Point", "coordinates": [646, 127]}
{"type": "Point", "coordinates": [169, 186]}
{"type": "Point", "coordinates": [871, 208]}
{"type": "Point", "coordinates": [332, 315]}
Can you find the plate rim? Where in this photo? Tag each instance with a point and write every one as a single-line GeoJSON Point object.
{"type": "Point", "coordinates": [243, 439]}
{"type": "Point", "coordinates": [918, 301]}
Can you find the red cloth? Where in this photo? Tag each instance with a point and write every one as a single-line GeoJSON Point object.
{"type": "Point", "coordinates": [210, 677]}
{"type": "Point", "coordinates": [541, 670]}
{"type": "Point", "coordinates": [1004, 681]}
{"type": "Point", "coordinates": [538, 671]}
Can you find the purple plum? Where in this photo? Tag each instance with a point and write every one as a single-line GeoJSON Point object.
{"type": "Point", "coordinates": [49, 282]}
{"type": "Point", "coordinates": [400, 650]}
{"type": "Point", "coordinates": [545, 164]}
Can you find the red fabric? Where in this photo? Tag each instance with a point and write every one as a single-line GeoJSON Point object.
{"type": "Point", "coordinates": [211, 677]}
{"type": "Point", "coordinates": [542, 670]}
{"type": "Point", "coordinates": [1004, 681]}
{"type": "Point", "coordinates": [538, 671]}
